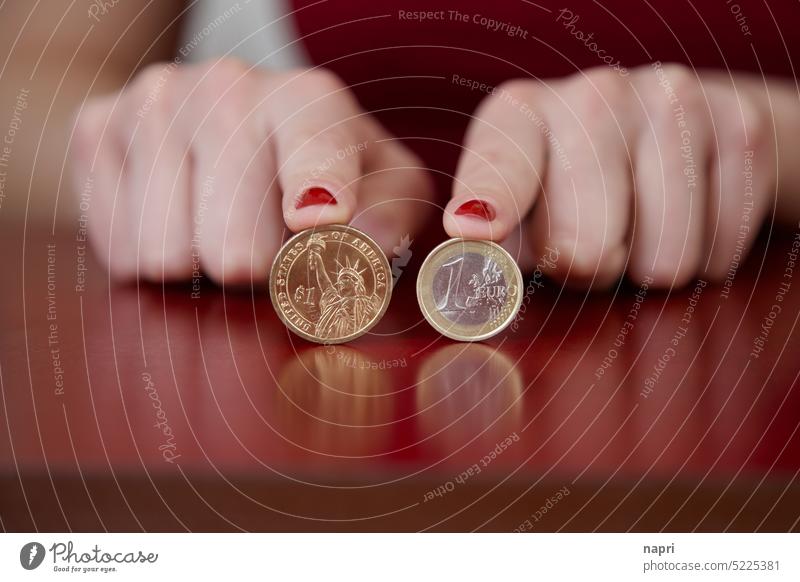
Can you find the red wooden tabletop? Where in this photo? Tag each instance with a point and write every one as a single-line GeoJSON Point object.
{"type": "Point", "coordinates": [147, 408]}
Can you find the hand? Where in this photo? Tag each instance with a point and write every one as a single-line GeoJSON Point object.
{"type": "Point", "coordinates": [662, 173]}
{"type": "Point", "coordinates": [203, 167]}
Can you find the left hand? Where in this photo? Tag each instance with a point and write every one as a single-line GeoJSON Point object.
{"type": "Point", "coordinates": [661, 173]}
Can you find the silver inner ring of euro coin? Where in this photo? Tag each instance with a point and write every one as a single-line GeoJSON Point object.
{"type": "Point", "coordinates": [470, 289]}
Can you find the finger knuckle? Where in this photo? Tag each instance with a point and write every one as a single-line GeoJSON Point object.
{"type": "Point", "coordinates": [511, 96]}
{"type": "Point", "coordinates": [598, 90]}
{"type": "Point", "coordinates": [323, 81]}
{"type": "Point", "coordinates": [680, 77]}
{"type": "Point", "coordinates": [520, 89]}
{"type": "Point", "coordinates": [306, 83]}
{"type": "Point", "coordinates": [680, 93]}
{"type": "Point", "coordinates": [88, 126]}
{"type": "Point", "coordinates": [220, 79]}
{"type": "Point", "coordinates": [151, 74]}
{"type": "Point", "coordinates": [748, 127]}
{"type": "Point", "coordinates": [151, 91]}
{"type": "Point", "coordinates": [151, 132]}
{"type": "Point", "coordinates": [151, 78]}
{"type": "Point", "coordinates": [223, 120]}
{"type": "Point", "coordinates": [226, 68]}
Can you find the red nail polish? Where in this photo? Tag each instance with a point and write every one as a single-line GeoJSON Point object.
{"type": "Point", "coordinates": [478, 209]}
{"type": "Point", "coordinates": [315, 195]}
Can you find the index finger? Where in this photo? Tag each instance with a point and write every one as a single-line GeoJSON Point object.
{"type": "Point", "coordinates": [501, 168]}
{"type": "Point", "coordinates": [319, 145]}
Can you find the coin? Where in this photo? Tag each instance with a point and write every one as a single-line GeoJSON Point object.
{"type": "Point", "coordinates": [469, 290]}
{"type": "Point", "coordinates": [330, 284]}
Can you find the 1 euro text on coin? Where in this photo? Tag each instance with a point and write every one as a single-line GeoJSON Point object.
{"type": "Point", "coordinates": [469, 290]}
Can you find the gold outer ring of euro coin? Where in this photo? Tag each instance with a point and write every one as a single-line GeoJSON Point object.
{"type": "Point", "coordinates": [469, 290]}
{"type": "Point", "coordinates": [330, 284]}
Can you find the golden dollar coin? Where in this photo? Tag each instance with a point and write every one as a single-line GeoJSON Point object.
{"type": "Point", "coordinates": [469, 290]}
{"type": "Point", "coordinates": [330, 284]}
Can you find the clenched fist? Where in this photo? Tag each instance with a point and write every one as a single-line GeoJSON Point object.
{"type": "Point", "coordinates": [660, 172]}
{"type": "Point", "coordinates": [203, 168]}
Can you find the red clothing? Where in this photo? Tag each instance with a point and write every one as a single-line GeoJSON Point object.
{"type": "Point", "coordinates": [368, 43]}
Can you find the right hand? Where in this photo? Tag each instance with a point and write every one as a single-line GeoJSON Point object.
{"type": "Point", "coordinates": [202, 167]}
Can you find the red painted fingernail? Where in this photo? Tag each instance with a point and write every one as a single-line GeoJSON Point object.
{"type": "Point", "coordinates": [478, 209]}
{"type": "Point", "coordinates": [315, 195]}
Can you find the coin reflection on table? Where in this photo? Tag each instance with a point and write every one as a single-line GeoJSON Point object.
{"type": "Point", "coordinates": [468, 391]}
{"type": "Point", "coordinates": [330, 285]}
{"type": "Point", "coordinates": [469, 290]}
{"type": "Point", "coordinates": [335, 400]}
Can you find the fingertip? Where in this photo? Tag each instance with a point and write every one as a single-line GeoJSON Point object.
{"type": "Point", "coordinates": [318, 205]}
{"type": "Point", "coordinates": [475, 218]}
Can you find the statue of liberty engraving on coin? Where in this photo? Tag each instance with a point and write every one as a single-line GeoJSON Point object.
{"type": "Point", "coordinates": [469, 290]}
{"type": "Point", "coordinates": [330, 284]}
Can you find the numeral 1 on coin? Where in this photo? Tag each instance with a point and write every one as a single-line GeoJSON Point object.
{"type": "Point", "coordinates": [304, 295]}
{"type": "Point", "coordinates": [451, 298]}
